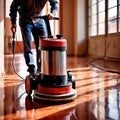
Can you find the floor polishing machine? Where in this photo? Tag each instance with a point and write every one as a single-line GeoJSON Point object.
{"type": "Point", "coordinates": [53, 82]}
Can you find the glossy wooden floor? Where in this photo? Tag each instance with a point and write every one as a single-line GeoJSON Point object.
{"type": "Point", "coordinates": [98, 93]}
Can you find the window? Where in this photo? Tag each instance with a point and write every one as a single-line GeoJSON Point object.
{"type": "Point", "coordinates": [112, 16]}
{"type": "Point", "coordinates": [104, 17]}
{"type": "Point", "coordinates": [96, 17]}
{"type": "Point", "coordinates": [92, 17]}
{"type": "Point", "coordinates": [101, 17]}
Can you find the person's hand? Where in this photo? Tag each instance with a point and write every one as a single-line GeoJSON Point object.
{"type": "Point", "coordinates": [13, 27]}
{"type": "Point", "coordinates": [51, 16]}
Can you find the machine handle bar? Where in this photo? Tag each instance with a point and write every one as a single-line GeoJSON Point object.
{"type": "Point", "coordinates": [44, 17]}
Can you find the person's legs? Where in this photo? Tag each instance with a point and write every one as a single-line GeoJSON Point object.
{"type": "Point", "coordinates": [26, 29]}
{"type": "Point", "coordinates": [38, 31]}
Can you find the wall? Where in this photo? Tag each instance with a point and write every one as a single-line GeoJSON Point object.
{"type": "Point", "coordinates": [8, 34]}
{"type": "Point", "coordinates": [8, 37]}
{"type": "Point", "coordinates": [96, 46]}
{"type": "Point", "coordinates": [105, 46]}
{"type": "Point", "coordinates": [81, 28]}
{"type": "Point", "coordinates": [113, 46]}
{"type": "Point", "coordinates": [1, 57]}
{"type": "Point", "coordinates": [73, 25]}
{"type": "Point", "coordinates": [2, 37]}
{"type": "Point", "coordinates": [67, 23]}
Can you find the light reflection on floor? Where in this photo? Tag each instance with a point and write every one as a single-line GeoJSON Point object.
{"type": "Point", "coordinates": [98, 95]}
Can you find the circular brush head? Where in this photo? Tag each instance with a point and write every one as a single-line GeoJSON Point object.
{"type": "Point", "coordinates": [55, 98]}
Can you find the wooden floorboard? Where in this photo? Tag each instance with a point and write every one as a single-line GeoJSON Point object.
{"type": "Point", "coordinates": [98, 92]}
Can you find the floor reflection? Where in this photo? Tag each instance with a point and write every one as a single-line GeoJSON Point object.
{"type": "Point", "coordinates": [13, 96]}
{"type": "Point", "coordinates": [98, 95]}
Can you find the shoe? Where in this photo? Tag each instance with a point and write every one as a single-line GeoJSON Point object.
{"type": "Point", "coordinates": [33, 74]}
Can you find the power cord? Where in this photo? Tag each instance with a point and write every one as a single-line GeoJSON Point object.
{"type": "Point", "coordinates": [13, 59]}
{"type": "Point", "coordinates": [13, 62]}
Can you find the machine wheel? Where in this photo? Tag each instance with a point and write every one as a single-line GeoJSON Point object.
{"type": "Point", "coordinates": [71, 79]}
{"type": "Point", "coordinates": [28, 84]}
{"type": "Point", "coordinates": [28, 103]}
{"type": "Point", "coordinates": [73, 83]}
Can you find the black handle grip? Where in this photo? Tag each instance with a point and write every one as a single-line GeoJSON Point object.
{"type": "Point", "coordinates": [44, 17]}
{"type": "Point", "coordinates": [13, 41]}
{"type": "Point", "coordinates": [13, 35]}
{"type": "Point", "coordinates": [56, 18]}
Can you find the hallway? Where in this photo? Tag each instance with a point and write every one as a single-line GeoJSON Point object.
{"type": "Point", "coordinates": [98, 93]}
